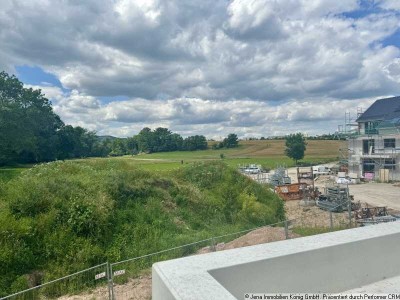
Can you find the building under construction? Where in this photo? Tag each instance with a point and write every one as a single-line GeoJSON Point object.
{"type": "Point", "coordinates": [374, 143]}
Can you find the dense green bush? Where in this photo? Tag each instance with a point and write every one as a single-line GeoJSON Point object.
{"type": "Point", "coordinates": [60, 217]}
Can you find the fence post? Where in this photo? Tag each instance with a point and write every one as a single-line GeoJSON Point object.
{"type": "Point", "coordinates": [331, 219]}
{"type": "Point", "coordinates": [349, 205]}
{"type": "Point", "coordinates": [213, 248]}
{"type": "Point", "coordinates": [286, 229]}
{"type": "Point", "coordinates": [110, 283]}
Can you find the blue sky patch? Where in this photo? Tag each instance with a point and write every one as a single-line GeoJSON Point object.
{"type": "Point", "coordinates": [37, 76]}
{"type": "Point", "coordinates": [106, 99]}
{"type": "Point", "coordinates": [394, 39]}
{"type": "Point", "coordinates": [367, 7]}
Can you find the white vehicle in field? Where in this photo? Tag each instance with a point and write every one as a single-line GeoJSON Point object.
{"type": "Point", "coordinates": [252, 169]}
{"type": "Point", "coordinates": [345, 180]}
{"type": "Point", "coordinates": [321, 170]}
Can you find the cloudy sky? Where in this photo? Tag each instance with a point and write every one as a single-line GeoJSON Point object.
{"type": "Point", "coordinates": [253, 67]}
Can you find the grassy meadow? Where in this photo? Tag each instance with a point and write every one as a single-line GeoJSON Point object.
{"type": "Point", "coordinates": [122, 207]}
{"type": "Point", "coordinates": [8, 173]}
{"type": "Point", "coordinates": [60, 217]}
{"type": "Point", "coordinates": [268, 153]}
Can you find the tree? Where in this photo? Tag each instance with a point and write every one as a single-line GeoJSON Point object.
{"type": "Point", "coordinates": [196, 142]}
{"type": "Point", "coordinates": [145, 140]}
{"type": "Point", "coordinates": [295, 146]}
{"type": "Point", "coordinates": [118, 147]}
{"type": "Point", "coordinates": [74, 142]}
{"type": "Point", "coordinates": [132, 146]}
{"type": "Point", "coordinates": [28, 125]}
{"type": "Point", "coordinates": [231, 141]}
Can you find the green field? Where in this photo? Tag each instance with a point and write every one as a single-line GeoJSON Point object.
{"type": "Point", "coordinates": [122, 207]}
{"type": "Point", "coordinates": [8, 173]}
{"type": "Point", "coordinates": [268, 153]}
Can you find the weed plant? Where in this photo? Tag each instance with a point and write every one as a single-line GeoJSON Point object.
{"type": "Point", "coordinates": [62, 217]}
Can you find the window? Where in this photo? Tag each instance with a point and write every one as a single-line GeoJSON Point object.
{"type": "Point", "coordinates": [390, 164]}
{"type": "Point", "coordinates": [389, 143]}
{"type": "Point", "coordinates": [368, 165]}
{"type": "Point", "coordinates": [371, 127]}
{"type": "Point", "coordinates": [368, 146]}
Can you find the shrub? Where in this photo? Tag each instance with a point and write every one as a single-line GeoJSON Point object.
{"type": "Point", "coordinates": [114, 211]}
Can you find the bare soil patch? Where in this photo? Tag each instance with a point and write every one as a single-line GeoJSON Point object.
{"type": "Point", "coordinates": [312, 216]}
{"type": "Point", "coordinates": [377, 194]}
{"type": "Point", "coordinates": [140, 288]}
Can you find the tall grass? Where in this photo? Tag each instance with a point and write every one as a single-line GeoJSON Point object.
{"type": "Point", "coordinates": [61, 217]}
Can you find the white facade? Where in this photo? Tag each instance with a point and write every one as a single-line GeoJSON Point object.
{"type": "Point", "coordinates": [373, 156]}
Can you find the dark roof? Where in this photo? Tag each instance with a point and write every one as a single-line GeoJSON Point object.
{"type": "Point", "coordinates": [382, 109]}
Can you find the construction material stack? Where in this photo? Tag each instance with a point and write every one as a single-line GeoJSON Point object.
{"type": "Point", "coordinates": [336, 199]}
{"type": "Point", "coordinates": [280, 177]}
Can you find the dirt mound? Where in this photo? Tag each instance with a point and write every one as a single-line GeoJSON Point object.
{"type": "Point", "coordinates": [255, 237]}
{"type": "Point", "coordinates": [312, 216]}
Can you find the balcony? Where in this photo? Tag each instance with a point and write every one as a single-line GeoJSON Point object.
{"type": "Point", "coordinates": [382, 153]}
{"type": "Point", "coordinates": [358, 260]}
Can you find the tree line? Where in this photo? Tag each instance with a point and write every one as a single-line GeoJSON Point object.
{"type": "Point", "coordinates": [31, 132]}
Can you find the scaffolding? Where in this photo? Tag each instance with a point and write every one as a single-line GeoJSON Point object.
{"type": "Point", "coordinates": [375, 156]}
{"type": "Point", "coordinates": [372, 151]}
{"type": "Point", "coordinates": [350, 127]}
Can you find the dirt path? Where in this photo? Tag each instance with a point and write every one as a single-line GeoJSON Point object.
{"type": "Point", "coordinates": [377, 194]}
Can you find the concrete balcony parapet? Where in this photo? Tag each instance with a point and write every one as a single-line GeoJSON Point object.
{"type": "Point", "coordinates": [328, 263]}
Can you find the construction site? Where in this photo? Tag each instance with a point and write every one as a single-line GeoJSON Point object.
{"type": "Point", "coordinates": [373, 141]}
{"type": "Point", "coordinates": [359, 190]}
{"type": "Point", "coordinates": [363, 183]}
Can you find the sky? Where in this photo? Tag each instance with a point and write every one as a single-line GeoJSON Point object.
{"type": "Point", "coordinates": [212, 67]}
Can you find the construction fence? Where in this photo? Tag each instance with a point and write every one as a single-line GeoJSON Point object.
{"type": "Point", "coordinates": [131, 278]}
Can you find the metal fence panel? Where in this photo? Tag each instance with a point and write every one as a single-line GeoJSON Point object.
{"type": "Point", "coordinates": [132, 278]}
{"type": "Point", "coordinates": [91, 283]}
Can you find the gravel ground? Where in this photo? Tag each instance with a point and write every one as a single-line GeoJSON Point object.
{"type": "Point", "coordinates": [374, 194]}
{"type": "Point", "coordinates": [377, 194]}
{"type": "Point", "coordinates": [312, 216]}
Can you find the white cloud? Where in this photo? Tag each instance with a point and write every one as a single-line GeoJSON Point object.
{"type": "Point", "coordinates": [212, 118]}
{"type": "Point", "coordinates": [390, 4]}
{"type": "Point", "coordinates": [207, 66]}
{"type": "Point", "coordinates": [392, 70]}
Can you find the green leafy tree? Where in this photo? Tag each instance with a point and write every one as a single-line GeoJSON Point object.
{"type": "Point", "coordinates": [163, 140]}
{"type": "Point", "coordinates": [177, 140]}
{"type": "Point", "coordinates": [76, 142]}
{"type": "Point", "coordinates": [131, 145]}
{"type": "Point", "coordinates": [295, 146]}
{"type": "Point", "coordinates": [231, 141]}
{"type": "Point", "coordinates": [28, 125]}
{"type": "Point", "coordinates": [196, 142]}
{"type": "Point", "coordinates": [146, 140]}
{"type": "Point", "coordinates": [119, 147]}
